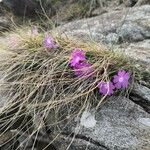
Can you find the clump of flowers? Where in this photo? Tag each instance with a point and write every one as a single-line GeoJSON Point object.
{"type": "Point", "coordinates": [77, 57]}
{"type": "Point", "coordinates": [79, 63]}
{"type": "Point", "coordinates": [120, 81]}
{"type": "Point", "coordinates": [82, 68]}
{"type": "Point", "coordinates": [49, 43]}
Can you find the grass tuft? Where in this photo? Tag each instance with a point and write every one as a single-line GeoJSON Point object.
{"type": "Point", "coordinates": [39, 82]}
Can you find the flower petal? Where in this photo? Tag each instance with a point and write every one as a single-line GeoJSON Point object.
{"type": "Point", "coordinates": [121, 72]}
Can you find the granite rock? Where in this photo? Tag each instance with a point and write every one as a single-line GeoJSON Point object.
{"type": "Point", "coordinates": [120, 125]}
{"type": "Point", "coordinates": [129, 24]}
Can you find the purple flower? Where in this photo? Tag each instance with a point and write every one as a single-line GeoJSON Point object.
{"type": "Point", "coordinates": [77, 56]}
{"type": "Point", "coordinates": [106, 88]}
{"type": "Point", "coordinates": [121, 79]}
{"type": "Point", "coordinates": [49, 43]}
{"type": "Point", "coordinates": [83, 69]}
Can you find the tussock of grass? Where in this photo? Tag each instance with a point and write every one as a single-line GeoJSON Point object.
{"type": "Point", "coordinates": [39, 82]}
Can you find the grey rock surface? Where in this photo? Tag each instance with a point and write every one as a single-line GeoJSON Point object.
{"type": "Point", "coordinates": [141, 95]}
{"type": "Point", "coordinates": [112, 38]}
{"type": "Point", "coordinates": [130, 24]}
{"type": "Point", "coordinates": [140, 51]}
{"type": "Point", "coordinates": [143, 92]}
{"type": "Point", "coordinates": [120, 125]}
{"type": "Point", "coordinates": [63, 142]}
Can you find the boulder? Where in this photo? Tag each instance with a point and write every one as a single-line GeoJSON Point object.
{"type": "Point", "coordinates": [120, 124]}
{"type": "Point", "coordinates": [123, 25]}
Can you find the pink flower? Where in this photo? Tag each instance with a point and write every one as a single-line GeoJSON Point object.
{"type": "Point", "coordinates": [121, 79]}
{"type": "Point", "coordinates": [106, 88]}
{"type": "Point", "coordinates": [49, 43]}
{"type": "Point", "coordinates": [77, 56]}
{"type": "Point", "coordinates": [83, 69]}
